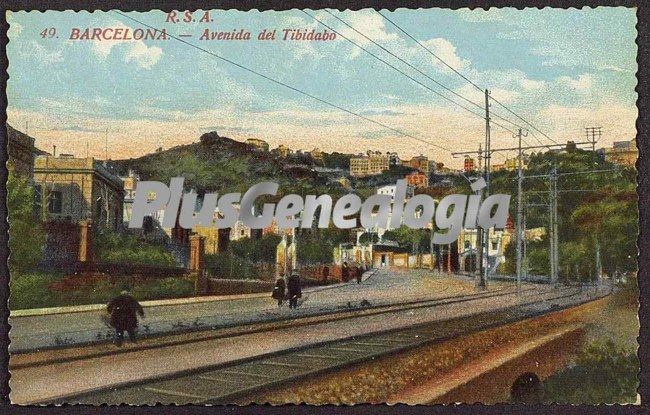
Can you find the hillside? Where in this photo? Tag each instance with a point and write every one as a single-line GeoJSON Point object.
{"type": "Point", "coordinates": [220, 164]}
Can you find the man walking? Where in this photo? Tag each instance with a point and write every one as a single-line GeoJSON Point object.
{"type": "Point", "coordinates": [295, 291]}
{"type": "Point", "coordinates": [124, 310]}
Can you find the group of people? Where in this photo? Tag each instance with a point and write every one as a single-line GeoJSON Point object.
{"type": "Point", "coordinates": [352, 272]}
{"type": "Point", "coordinates": [123, 310]}
{"type": "Point", "coordinates": [291, 290]}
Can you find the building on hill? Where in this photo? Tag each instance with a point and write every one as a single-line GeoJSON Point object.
{"type": "Point", "coordinates": [393, 159]}
{"type": "Point", "coordinates": [317, 155]}
{"type": "Point", "coordinates": [391, 189]}
{"type": "Point", "coordinates": [417, 179]}
{"type": "Point", "coordinates": [371, 164]}
{"type": "Point", "coordinates": [259, 144]}
{"type": "Point", "coordinates": [468, 164]}
{"type": "Point", "coordinates": [78, 189]}
{"type": "Point", "coordinates": [419, 162]}
{"type": "Point", "coordinates": [512, 164]}
{"type": "Point", "coordinates": [497, 167]}
{"type": "Point", "coordinates": [622, 152]}
{"type": "Point", "coordinates": [283, 151]}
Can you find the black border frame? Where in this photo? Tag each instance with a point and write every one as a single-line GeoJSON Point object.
{"type": "Point", "coordinates": [643, 182]}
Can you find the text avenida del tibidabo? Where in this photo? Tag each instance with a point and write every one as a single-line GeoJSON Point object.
{"type": "Point", "coordinates": [451, 213]}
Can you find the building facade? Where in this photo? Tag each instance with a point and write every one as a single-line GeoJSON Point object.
{"type": "Point", "coordinates": [259, 144]}
{"type": "Point", "coordinates": [21, 152]}
{"type": "Point", "coordinates": [369, 165]}
{"type": "Point", "coordinates": [78, 189]}
{"type": "Point", "coordinates": [421, 163]}
{"type": "Point", "coordinates": [624, 153]}
{"type": "Point", "coordinates": [417, 179]}
{"type": "Point", "coordinates": [468, 164]}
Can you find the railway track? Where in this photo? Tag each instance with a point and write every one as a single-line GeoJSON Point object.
{"type": "Point", "coordinates": [236, 380]}
{"type": "Point", "coordinates": [192, 335]}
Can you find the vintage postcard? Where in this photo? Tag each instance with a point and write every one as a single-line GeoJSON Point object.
{"type": "Point", "coordinates": [326, 207]}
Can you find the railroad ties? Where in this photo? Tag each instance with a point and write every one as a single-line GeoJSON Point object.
{"type": "Point", "coordinates": [233, 382]}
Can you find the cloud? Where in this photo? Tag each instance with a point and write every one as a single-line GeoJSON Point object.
{"type": "Point", "coordinates": [144, 56]}
{"type": "Point", "coordinates": [386, 111]}
{"type": "Point", "coordinates": [584, 82]}
{"type": "Point", "coordinates": [531, 84]}
{"type": "Point", "coordinates": [136, 51]}
{"type": "Point", "coordinates": [446, 51]}
{"type": "Point", "coordinates": [45, 56]}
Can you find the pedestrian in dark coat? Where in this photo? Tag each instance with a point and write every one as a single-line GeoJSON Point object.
{"type": "Point", "coordinates": [279, 291]}
{"type": "Point", "coordinates": [345, 272]}
{"type": "Point", "coordinates": [358, 272]}
{"type": "Point", "coordinates": [326, 273]}
{"type": "Point", "coordinates": [295, 291]}
{"type": "Point", "coordinates": [124, 310]}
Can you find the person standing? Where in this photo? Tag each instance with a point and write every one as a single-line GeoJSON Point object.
{"type": "Point", "coordinates": [326, 274]}
{"type": "Point", "coordinates": [124, 310]}
{"type": "Point", "coordinates": [295, 291]}
{"type": "Point", "coordinates": [279, 291]}
{"type": "Point", "coordinates": [345, 272]}
{"type": "Point", "coordinates": [358, 272]}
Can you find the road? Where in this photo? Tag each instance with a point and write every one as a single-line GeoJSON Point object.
{"type": "Point", "coordinates": [49, 382]}
{"type": "Point", "coordinates": [31, 333]}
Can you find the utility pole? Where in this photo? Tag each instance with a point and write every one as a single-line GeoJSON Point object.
{"type": "Point", "coordinates": [598, 273]}
{"type": "Point", "coordinates": [484, 234]}
{"type": "Point", "coordinates": [431, 246]}
{"type": "Point", "coordinates": [525, 259]}
{"type": "Point", "coordinates": [106, 146]}
{"type": "Point", "coordinates": [520, 179]}
{"type": "Point", "coordinates": [554, 254]}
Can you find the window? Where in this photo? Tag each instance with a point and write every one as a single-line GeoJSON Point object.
{"type": "Point", "coordinates": [55, 202]}
{"type": "Point", "coordinates": [495, 245]}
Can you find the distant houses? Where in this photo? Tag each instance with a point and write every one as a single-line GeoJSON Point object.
{"type": "Point", "coordinates": [624, 153]}
{"type": "Point", "coordinates": [370, 164]}
{"type": "Point", "coordinates": [259, 144]}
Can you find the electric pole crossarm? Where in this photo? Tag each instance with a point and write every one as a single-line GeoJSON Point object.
{"type": "Point", "coordinates": [493, 150]}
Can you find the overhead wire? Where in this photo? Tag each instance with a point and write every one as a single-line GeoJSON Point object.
{"type": "Point", "coordinates": [278, 82]}
{"type": "Point", "coordinates": [429, 51]}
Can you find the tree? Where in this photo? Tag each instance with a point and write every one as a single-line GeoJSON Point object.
{"type": "Point", "coordinates": [26, 233]}
{"type": "Point", "coordinates": [415, 240]}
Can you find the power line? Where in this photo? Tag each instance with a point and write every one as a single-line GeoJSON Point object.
{"type": "Point", "coordinates": [404, 62]}
{"type": "Point", "coordinates": [268, 78]}
{"type": "Point", "coordinates": [524, 120]}
{"type": "Point", "coordinates": [428, 50]}
{"type": "Point", "coordinates": [458, 73]}
{"type": "Point", "coordinates": [403, 73]}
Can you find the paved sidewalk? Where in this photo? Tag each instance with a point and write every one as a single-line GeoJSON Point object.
{"type": "Point", "coordinates": [35, 332]}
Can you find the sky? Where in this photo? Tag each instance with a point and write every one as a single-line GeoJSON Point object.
{"type": "Point", "coordinates": [561, 70]}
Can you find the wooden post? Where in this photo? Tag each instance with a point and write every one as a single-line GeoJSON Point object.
{"type": "Point", "coordinates": [197, 246]}
{"type": "Point", "coordinates": [86, 246]}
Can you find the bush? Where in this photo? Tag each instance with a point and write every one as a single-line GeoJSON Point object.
{"type": "Point", "coordinates": [32, 291]}
{"type": "Point", "coordinates": [36, 291]}
{"type": "Point", "coordinates": [117, 247]}
{"type": "Point", "coordinates": [26, 234]}
{"type": "Point", "coordinates": [164, 288]}
{"type": "Point", "coordinates": [603, 373]}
